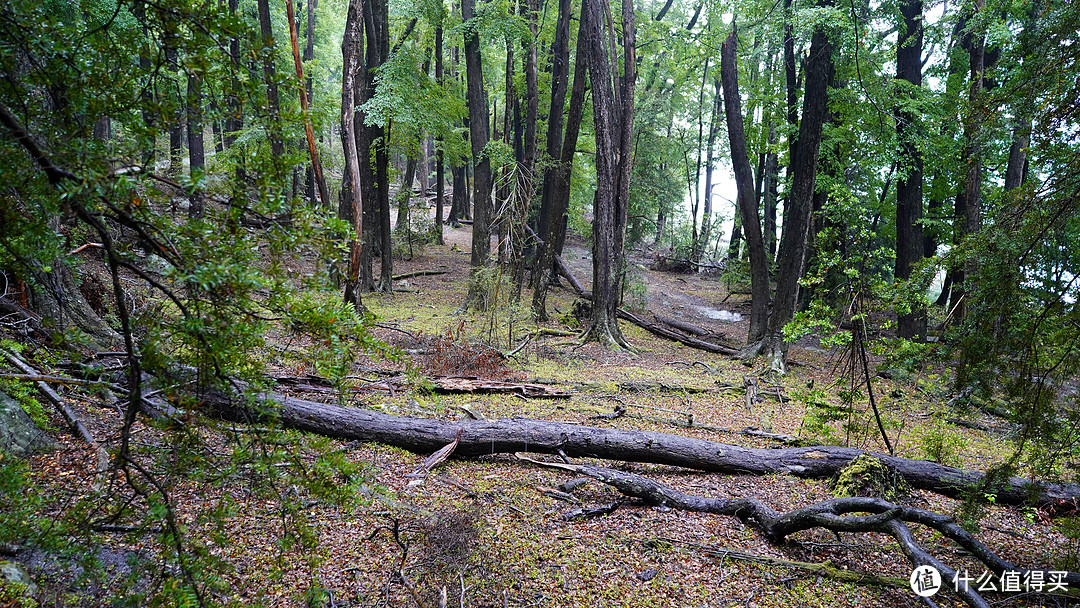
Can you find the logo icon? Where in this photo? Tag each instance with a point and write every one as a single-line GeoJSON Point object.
{"type": "Point", "coordinates": [925, 581]}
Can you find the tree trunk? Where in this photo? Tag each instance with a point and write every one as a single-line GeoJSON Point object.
{"type": "Point", "coordinates": [557, 177]}
{"type": "Point", "coordinates": [440, 167]}
{"type": "Point", "coordinates": [478, 137]}
{"type": "Point", "coordinates": [819, 73]}
{"type": "Point", "coordinates": [352, 209]}
{"type": "Point", "coordinates": [968, 201]}
{"type": "Point", "coordinates": [560, 78]}
{"type": "Point", "coordinates": [744, 182]}
{"type": "Point", "coordinates": [310, 182]}
{"type": "Point", "coordinates": [405, 195]}
{"type": "Point", "coordinates": [309, 131]}
{"type": "Point", "coordinates": [196, 153]}
{"type": "Point", "coordinates": [706, 213]}
{"type": "Point", "coordinates": [486, 437]}
{"type": "Point", "coordinates": [613, 119]}
{"type": "Point", "coordinates": [769, 192]}
{"type": "Point", "coordinates": [277, 148]}
{"type": "Point", "coordinates": [909, 187]}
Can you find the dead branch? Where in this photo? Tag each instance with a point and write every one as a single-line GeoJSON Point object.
{"type": "Point", "coordinates": [834, 515]}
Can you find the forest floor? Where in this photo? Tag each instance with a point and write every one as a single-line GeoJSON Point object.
{"type": "Point", "coordinates": [489, 530]}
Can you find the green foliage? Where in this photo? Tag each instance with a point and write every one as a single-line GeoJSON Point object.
{"type": "Point", "coordinates": [942, 444]}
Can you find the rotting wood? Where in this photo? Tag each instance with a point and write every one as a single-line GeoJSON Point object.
{"type": "Point", "coordinates": [484, 437]}
{"type": "Point", "coordinates": [685, 327]}
{"type": "Point", "coordinates": [451, 384]}
{"type": "Point", "coordinates": [664, 332]}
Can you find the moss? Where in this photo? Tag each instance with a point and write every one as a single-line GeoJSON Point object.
{"type": "Point", "coordinates": [869, 476]}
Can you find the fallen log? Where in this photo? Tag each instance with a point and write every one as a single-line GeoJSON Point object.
{"type": "Point", "coordinates": [484, 437]}
{"type": "Point", "coordinates": [451, 384]}
{"type": "Point", "coordinates": [687, 328]}
{"type": "Point", "coordinates": [670, 334]}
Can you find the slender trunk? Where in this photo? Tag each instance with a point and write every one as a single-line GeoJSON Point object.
{"type": "Point", "coordinates": [405, 195]}
{"type": "Point", "coordinates": [744, 181]}
{"type": "Point", "coordinates": [613, 119]}
{"type": "Point", "coordinates": [968, 202]}
{"type": "Point", "coordinates": [308, 129]}
{"type": "Point", "coordinates": [706, 213]}
{"type": "Point", "coordinates": [309, 54]}
{"type": "Point", "coordinates": [560, 179]}
{"type": "Point", "coordinates": [196, 153]}
{"type": "Point", "coordinates": [553, 171]}
{"type": "Point", "coordinates": [352, 208]}
{"type": "Point", "coordinates": [266, 29]}
{"type": "Point", "coordinates": [439, 165]}
{"type": "Point", "coordinates": [769, 194]}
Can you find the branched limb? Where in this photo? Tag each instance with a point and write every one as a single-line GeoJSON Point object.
{"type": "Point", "coordinates": [876, 515]}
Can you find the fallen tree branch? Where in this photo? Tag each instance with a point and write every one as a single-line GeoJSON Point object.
{"type": "Point", "coordinates": [418, 273]}
{"type": "Point", "coordinates": [834, 515]}
{"type": "Point", "coordinates": [483, 437]}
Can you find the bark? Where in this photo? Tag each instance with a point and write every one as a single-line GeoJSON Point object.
{"type": "Point", "coordinates": [405, 195]}
{"type": "Point", "coordinates": [309, 131]}
{"type": "Point", "coordinates": [277, 148]}
{"type": "Point", "coordinates": [486, 437]}
{"type": "Point", "coordinates": [909, 187]}
{"type": "Point", "coordinates": [440, 167]}
{"type": "Point", "coordinates": [744, 181]}
{"type": "Point", "coordinates": [819, 73]}
{"type": "Point", "coordinates": [196, 153]}
{"type": "Point", "coordinates": [1016, 170]}
{"type": "Point", "coordinates": [557, 175]}
{"type": "Point", "coordinates": [352, 208]}
{"type": "Point", "coordinates": [478, 138]}
{"type": "Point", "coordinates": [613, 119]}
{"type": "Point", "coordinates": [309, 54]}
{"type": "Point", "coordinates": [769, 194]}
{"type": "Point", "coordinates": [968, 201]}
{"type": "Point", "coordinates": [706, 212]}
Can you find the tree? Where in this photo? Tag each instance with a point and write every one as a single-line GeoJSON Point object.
{"type": "Point", "coordinates": [478, 137]}
{"type": "Point", "coordinates": [748, 207]}
{"type": "Point", "coordinates": [613, 121]}
{"type": "Point", "coordinates": [352, 207]}
{"type": "Point", "coordinates": [909, 190]}
{"type": "Point", "coordinates": [818, 75]}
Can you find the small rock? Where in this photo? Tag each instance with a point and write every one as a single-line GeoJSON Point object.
{"type": "Point", "coordinates": [15, 575]}
{"type": "Point", "coordinates": [18, 433]}
{"type": "Point", "coordinates": [647, 575]}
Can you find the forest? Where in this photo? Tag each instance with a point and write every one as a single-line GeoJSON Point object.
{"type": "Point", "coordinates": [539, 303]}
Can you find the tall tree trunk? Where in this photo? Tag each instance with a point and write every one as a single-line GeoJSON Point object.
{"type": "Point", "coordinates": [909, 186]}
{"type": "Point", "coordinates": [352, 208]}
{"type": "Point", "coordinates": [277, 148]}
{"type": "Point", "coordinates": [560, 185]}
{"type": "Point", "coordinates": [613, 120]}
{"type": "Point", "coordinates": [968, 201]}
{"type": "Point", "coordinates": [196, 153]}
{"type": "Point", "coordinates": [744, 182]}
{"type": "Point", "coordinates": [440, 167]}
{"type": "Point", "coordinates": [478, 136]}
{"type": "Point", "coordinates": [309, 54]}
{"type": "Point", "coordinates": [556, 172]}
{"type": "Point", "coordinates": [819, 73]}
{"type": "Point", "coordinates": [769, 192]}
{"type": "Point", "coordinates": [309, 131]}
{"type": "Point", "coordinates": [706, 213]}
